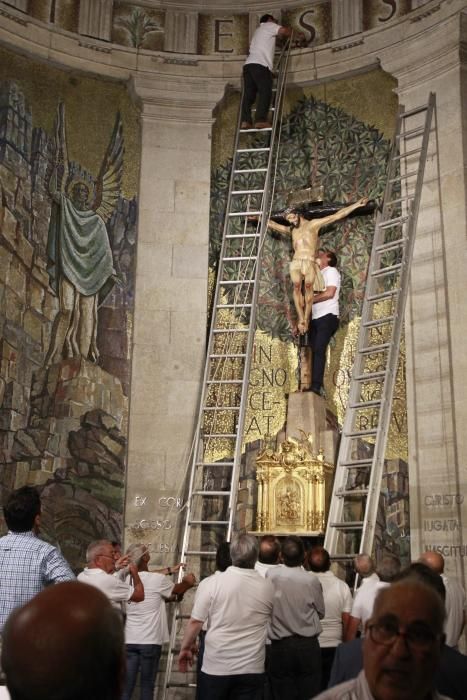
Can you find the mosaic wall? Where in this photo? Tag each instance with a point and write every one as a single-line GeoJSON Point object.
{"type": "Point", "coordinates": [337, 137]}
{"type": "Point", "coordinates": [69, 161]}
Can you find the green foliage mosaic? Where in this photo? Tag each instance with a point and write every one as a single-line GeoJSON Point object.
{"type": "Point", "coordinates": [320, 145]}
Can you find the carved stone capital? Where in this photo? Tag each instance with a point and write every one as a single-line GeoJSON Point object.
{"type": "Point", "coordinates": [182, 97]}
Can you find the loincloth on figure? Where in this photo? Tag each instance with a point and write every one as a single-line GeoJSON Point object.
{"type": "Point", "coordinates": [307, 265]}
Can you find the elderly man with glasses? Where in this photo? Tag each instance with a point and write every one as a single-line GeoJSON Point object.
{"type": "Point", "coordinates": [401, 649]}
{"type": "Point", "coordinates": [100, 558]}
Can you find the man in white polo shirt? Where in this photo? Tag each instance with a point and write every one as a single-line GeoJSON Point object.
{"type": "Point", "coordinates": [257, 72]}
{"type": "Point", "coordinates": [238, 603]}
{"type": "Point", "coordinates": [99, 572]}
{"type": "Point", "coordinates": [325, 317]}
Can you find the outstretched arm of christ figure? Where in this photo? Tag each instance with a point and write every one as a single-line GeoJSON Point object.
{"type": "Point", "coordinates": [280, 228]}
{"type": "Point", "coordinates": [341, 214]}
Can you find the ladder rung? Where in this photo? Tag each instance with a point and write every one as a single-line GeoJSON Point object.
{"type": "Point", "coordinates": [172, 684]}
{"type": "Point", "coordinates": [247, 191]}
{"type": "Point", "coordinates": [224, 381]}
{"type": "Point", "coordinates": [393, 222]}
{"type": "Point", "coordinates": [208, 522]}
{"type": "Point", "coordinates": [411, 133]}
{"type": "Point", "coordinates": [214, 464]}
{"type": "Point", "coordinates": [351, 525]}
{"type": "Point", "coordinates": [351, 492]}
{"type": "Point", "coordinates": [244, 213]}
{"type": "Point", "coordinates": [386, 270]}
{"type": "Point", "coordinates": [390, 246]}
{"type": "Point", "coordinates": [370, 376]}
{"type": "Point", "coordinates": [406, 154]}
{"type": "Point", "coordinates": [382, 295]}
{"type": "Point", "coordinates": [224, 282]}
{"type": "Point", "coordinates": [231, 330]}
{"type": "Point", "coordinates": [399, 200]}
{"type": "Point", "coordinates": [212, 436]}
{"type": "Point", "coordinates": [263, 149]}
{"type": "Point", "coordinates": [361, 433]}
{"type": "Point", "coordinates": [251, 170]}
{"type": "Point", "coordinates": [233, 306]}
{"type": "Point", "coordinates": [221, 408]}
{"type": "Point", "coordinates": [378, 322]}
{"type": "Point", "coordinates": [343, 557]}
{"type": "Point", "coordinates": [239, 258]}
{"type": "Point", "coordinates": [357, 463]}
{"type": "Point", "coordinates": [197, 552]}
{"type": "Point", "coordinates": [366, 404]}
{"type": "Point", "coordinates": [243, 235]}
{"type": "Point", "coordinates": [228, 356]}
{"type": "Point", "coordinates": [210, 493]}
{"type": "Point", "coordinates": [404, 176]}
{"type": "Point", "coordinates": [374, 348]}
{"type": "Point", "coordinates": [415, 110]}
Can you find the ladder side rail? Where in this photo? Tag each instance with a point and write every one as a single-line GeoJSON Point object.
{"type": "Point", "coordinates": [386, 408]}
{"type": "Point", "coordinates": [267, 199]}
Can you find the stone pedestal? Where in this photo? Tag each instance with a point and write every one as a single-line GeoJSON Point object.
{"type": "Point", "coordinates": [307, 411]}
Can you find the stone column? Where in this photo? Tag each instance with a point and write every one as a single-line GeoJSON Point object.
{"type": "Point", "coordinates": [436, 322]}
{"type": "Point", "coordinates": [95, 18]}
{"type": "Point", "coordinates": [181, 31]}
{"type": "Point", "coordinates": [346, 18]}
{"type": "Point", "coordinates": [170, 300]}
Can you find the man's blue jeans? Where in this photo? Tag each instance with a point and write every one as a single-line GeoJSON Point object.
{"type": "Point", "coordinates": [143, 658]}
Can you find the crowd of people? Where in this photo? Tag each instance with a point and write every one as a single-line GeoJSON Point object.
{"type": "Point", "coordinates": [272, 622]}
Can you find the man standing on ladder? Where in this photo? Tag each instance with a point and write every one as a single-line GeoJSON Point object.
{"type": "Point", "coordinates": [257, 72]}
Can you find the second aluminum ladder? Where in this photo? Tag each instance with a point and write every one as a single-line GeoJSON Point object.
{"type": "Point", "coordinates": [359, 470]}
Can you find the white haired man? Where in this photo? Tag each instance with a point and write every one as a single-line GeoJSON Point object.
{"type": "Point", "coordinates": [238, 604]}
{"type": "Point", "coordinates": [100, 557]}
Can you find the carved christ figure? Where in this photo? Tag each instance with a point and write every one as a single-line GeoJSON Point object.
{"type": "Point", "coordinates": [80, 263]}
{"type": "Point", "coordinates": [304, 266]}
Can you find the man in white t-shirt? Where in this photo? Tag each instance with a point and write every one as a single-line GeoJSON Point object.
{"type": "Point", "coordinates": [257, 72]}
{"type": "Point", "coordinates": [324, 317]}
{"type": "Point", "coordinates": [146, 628]}
{"type": "Point", "coordinates": [99, 572]}
{"type": "Point", "coordinates": [238, 604]}
{"type": "Point", "coordinates": [362, 608]}
{"type": "Point", "coordinates": [337, 607]}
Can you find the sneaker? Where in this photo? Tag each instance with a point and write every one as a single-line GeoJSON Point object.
{"type": "Point", "coordinates": [246, 125]}
{"type": "Point", "coordinates": [263, 125]}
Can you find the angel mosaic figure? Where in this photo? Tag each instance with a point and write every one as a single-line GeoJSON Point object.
{"type": "Point", "coordinates": [80, 263]}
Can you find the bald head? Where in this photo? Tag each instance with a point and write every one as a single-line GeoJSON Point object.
{"type": "Point", "coordinates": [434, 560]}
{"type": "Point", "coordinates": [364, 565]}
{"type": "Point", "coordinates": [65, 644]}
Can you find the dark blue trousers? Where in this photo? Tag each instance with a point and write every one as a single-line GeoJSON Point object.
{"type": "Point", "coordinates": [321, 331]}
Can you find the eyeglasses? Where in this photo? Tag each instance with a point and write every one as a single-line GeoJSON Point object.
{"type": "Point", "coordinates": [109, 556]}
{"type": "Point", "coordinates": [418, 637]}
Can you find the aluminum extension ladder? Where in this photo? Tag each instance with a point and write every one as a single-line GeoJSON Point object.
{"type": "Point", "coordinates": [359, 470]}
{"type": "Point", "coordinates": [216, 457]}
